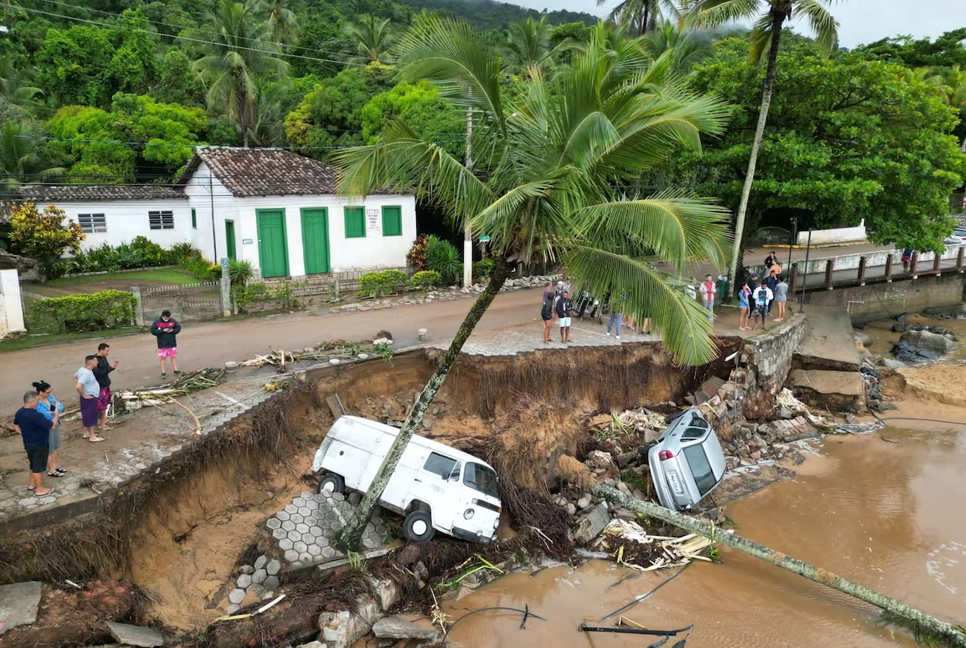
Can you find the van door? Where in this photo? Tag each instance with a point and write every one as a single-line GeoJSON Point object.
{"type": "Point", "coordinates": [437, 483]}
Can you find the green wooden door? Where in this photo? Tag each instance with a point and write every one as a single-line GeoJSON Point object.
{"type": "Point", "coordinates": [230, 239]}
{"type": "Point", "coordinates": [272, 250]}
{"type": "Point", "coordinates": [315, 240]}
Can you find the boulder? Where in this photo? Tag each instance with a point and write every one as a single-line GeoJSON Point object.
{"type": "Point", "coordinates": [889, 363]}
{"type": "Point", "coordinates": [907, 352]}
{"type": "Point", "coordinates": [342, 629]}
{"type": "Point", "coordinates": [591, 524]}
{"type": "Point", "coordinates": [395, 627]}
{"type": "Point", "coordinates": [935, 342]}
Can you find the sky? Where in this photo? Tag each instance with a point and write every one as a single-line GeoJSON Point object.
{"type": "Point", "coordinates": [860, 21]}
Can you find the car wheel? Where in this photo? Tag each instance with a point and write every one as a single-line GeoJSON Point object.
{"type": "Point", "coordinates": [418, 527]}
{"type": "Point", "coordinates": [331, 483]}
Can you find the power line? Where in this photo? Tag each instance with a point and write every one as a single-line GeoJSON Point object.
{"type": "Point", "coordinates": [48, 138]}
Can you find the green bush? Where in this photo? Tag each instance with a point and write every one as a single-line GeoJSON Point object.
{"type": "Point", "coordinates": [181, 252]}
{"type": "Point", "coordinates": [240, 272]}
{"type": "Point", "coordinates": [78, 313]}
{"type": "Point", "coordinates": [417, 253]}
{"type": "Point", "coordinates": [379, 283]}
{"type": "Point", "coordinates": [142, 252]}
{"type": "Point", "coordinates": [482, 269]}
{"type": "Point", "coordinates": [258, 296]}
{"type": "Point", "coordinates": [442, 257]}
{"type": "Point", "coordinates": [425, 279]}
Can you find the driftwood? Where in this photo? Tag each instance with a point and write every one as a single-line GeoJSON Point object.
{"type": "Point", "coordinates": [919, 621]}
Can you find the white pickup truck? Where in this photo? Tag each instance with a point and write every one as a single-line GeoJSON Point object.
{"type": "Point", "coordinates": [436, 487]}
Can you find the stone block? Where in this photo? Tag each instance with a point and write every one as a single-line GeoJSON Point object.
{"type": "Point", "coordinates": [244, 581]}
{"type": "Point", "coordinates": [273, 567]}
{"type": "Point", "coordinates": [395, 627]}
{"type": "Point", "coordinates": [260, 575]}
{"type": "Point", "coordinates": [18, 604]}
{"type": "Point", "coordinates": [387, 593]}
{"type": "Point", "coordinates": [260, 562]}
{"type": "Point", "coordinates": [131, 635]}
{"type": "Point", "coordinates": [237, 596]}
{"type": "Point", "coordinates": [271, 583]}
{"type": "Point", "coordinates": [591, 524]}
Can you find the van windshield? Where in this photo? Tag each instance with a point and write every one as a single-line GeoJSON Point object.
{"type": "Point", "coordinates": [481, 478]}
{"type": "Point", "coordinates": [704, 477]}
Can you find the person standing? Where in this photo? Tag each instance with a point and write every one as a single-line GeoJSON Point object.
{"type": "Point", "coordinates": [616, 316]}
{"type": "Point", "coordinates": [88, 390]}
{"type": "Point", "coordinates": [34, 428]}
{"type": "Point", "coordinates": [564, 310]}
{"type": "Point", "coordinates": [771, 260]}
{"type": "Point", "coordinates": [546, 314]}
{"type": "Point", "coordinates": [708, 291]}
{"type": "Point", "coordinates": [906, 258]}
{"type": "Point", "coordinates": [762, 297]}
{"type": "Point", "coordinates": [51, 408]}
{"type": "Point", "coordinates": [743, 298]}
{"type": "Point", "coordinates": [103, 374]}
{"type": "Point", "coordinates": [772, 282]}
{"type": "Point", "coordinates": [781, 297]}
{"type": "Point", "coordinates": [166, 329]}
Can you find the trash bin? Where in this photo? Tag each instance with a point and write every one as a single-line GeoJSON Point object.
{"type": "Point", "coordinates": [723, 294]}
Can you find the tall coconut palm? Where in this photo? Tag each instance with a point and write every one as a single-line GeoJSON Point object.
{"type": "Point", "coordinates": [13, 90]}
{"type": "Point", "coordinates": [283, 29]}
{"type": "Point", "coordinates": [770, 17]}
{"type": "Point", "coordinates": [238, 57]}
{"type": "Point", "coordinates": [642, 16]}
{"type": "Point", "coordinates": [372, 39]}
{"type": "Point", "coordinates": [684, 46]}
{"type": "Point", "coordinates": [528, 43]}
{"type": "Point", "coordinates": [20, 159]}
{"type": "Point", "coordinates": [550, 182]}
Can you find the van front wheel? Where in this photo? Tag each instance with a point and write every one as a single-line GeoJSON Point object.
{"type": "Point", "coordinates": [418, 527]}
{"type": "Point", "coordinates": [331, 483]}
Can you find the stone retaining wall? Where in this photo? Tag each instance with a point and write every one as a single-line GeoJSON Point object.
{"type": "Point", "coordinates": [764, 363]}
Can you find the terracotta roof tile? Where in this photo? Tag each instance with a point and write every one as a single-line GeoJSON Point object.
{"type": "Point", "coordinates": [266, 172]}
{"type": "Point", "coordinates": [97, 193]}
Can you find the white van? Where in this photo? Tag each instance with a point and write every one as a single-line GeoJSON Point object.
{"type": "Point", "coordinates": [434, 486]}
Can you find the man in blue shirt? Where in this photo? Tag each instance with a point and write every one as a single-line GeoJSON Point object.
{"type": "Point", "coordinates": [34, 427]}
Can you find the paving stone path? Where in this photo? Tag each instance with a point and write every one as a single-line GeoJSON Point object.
{"type": "Point", "coordinates": [306, 529]}
{"type": "Point", "coordinates": [526, 339]}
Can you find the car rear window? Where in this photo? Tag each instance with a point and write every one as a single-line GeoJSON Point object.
{"type": "Point", "coordinates": [481, 478]}
{"type": "Point", "coordinates": [700, 468]}
{"type": "Point", "coordinates": [442, 466]}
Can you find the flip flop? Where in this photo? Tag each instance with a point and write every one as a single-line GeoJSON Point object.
{"type": "Point", "coordinates": [30, 488]}
{"type": "Point", "coordinates": [54, 474]}
{"type": "Point", "coordinates": [50, 491]}
{"type": "Point", "coordinates": [95, 439]}
{"type": "Point", "coordinates": [62, 471]}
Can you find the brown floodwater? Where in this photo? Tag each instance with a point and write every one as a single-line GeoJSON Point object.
{"type": "Point", "coordinates": [882, 509]}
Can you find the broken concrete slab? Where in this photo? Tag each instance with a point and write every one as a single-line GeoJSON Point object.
{"type": "Point", "coordinates": [591, 524]}
{"type": "Point", "coordinates": [18, 604]}
{"type": "Point", "coordinates": [396, 627]}
{"type": "Point", "coordinates": [136, 635]}
{"type": "Point", "coordinates": [342, 629]}
{"type": "Point", "coordinates": [837, 391]}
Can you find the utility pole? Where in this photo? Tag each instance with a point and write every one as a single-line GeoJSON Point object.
{"type": "Point", "coordinates": [467, 234]}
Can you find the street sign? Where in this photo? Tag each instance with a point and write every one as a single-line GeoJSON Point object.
{"type": "Point", "coordinates": [224, 262]}
{"type": "Point", "coordinates": [484, 239]}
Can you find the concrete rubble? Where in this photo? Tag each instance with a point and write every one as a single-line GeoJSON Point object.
{"type": "Point", "coordinates": [131, 635]}
{"type": "Point", "coordinates": [19, 604]}
{"type": "Point", "coordinates": [396, 627]}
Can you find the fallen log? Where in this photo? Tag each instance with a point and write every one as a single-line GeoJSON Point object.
{"type": "Point", "coordinates": [904, 614]}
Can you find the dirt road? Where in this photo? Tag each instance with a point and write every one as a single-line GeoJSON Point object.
{"type": "Point", "coordinates": [211, 345]}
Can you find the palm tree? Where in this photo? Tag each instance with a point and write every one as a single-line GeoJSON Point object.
{"type": "Point", "coordinates": [12, 88]}
{"type": "Point", "coordinates": [684, 46]}
{"type": "Point", "coordinates": [20, 159]}
{"type": "Point", "coordinates": [528, 43]}
{"type": "Point", "coordinates": [373, 38]}
{"type": "Point", "coordinates": [765, 36]}
{"type": "Point", "coordinates": [236, 60]}
{"type": "Point", "coordinates": [642, 16]}
{"type": "Point", "coordinates": [283, 29]}
{"type": "Point", "coordinates": [555, 161]}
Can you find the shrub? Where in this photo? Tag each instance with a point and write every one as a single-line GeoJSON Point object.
{"type": "Point", "coordinates": [442, 257]}
{"type": "Point", "coordinates": [425, 279]}
{"type": "Point", "coordinates": [43, 235]}
{"type": "Point", "coordinates": [257, 296]}
{"type": "Point", "coordinates": [482, 269]}
{"type": "Point", "coordinates": [181, 252]}
{"type": "Point", "coordinates": [78, 313]}
{"type": "Point", "coordinates": [379, 283]}
{"type": "Point", "coordinates": [148, 252]}
{"type": "Point", "coordinates": [417, 253]}
{"type": "Point", "coordinates": [240, 272]}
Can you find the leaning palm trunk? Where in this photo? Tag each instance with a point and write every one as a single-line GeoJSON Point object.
{"type": "Point", "coordinates": [921, 622]}
{"type": "Point", "coordinates": [351, 534]}
{"type": "Point", "coordinates": [755, 145]}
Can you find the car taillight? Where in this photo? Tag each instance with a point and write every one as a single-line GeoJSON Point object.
{"type": "Point", "coordinates": [664, 455]}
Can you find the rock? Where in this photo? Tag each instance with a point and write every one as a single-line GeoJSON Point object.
{"type": "Point", "coordinates": [244, 581]}
{"type": "Point", "coordinates": [622, 487]}
{"type": "Point", "coordinates": [907, 352]}
{"type": "Point", "coordinates": [19, 604]}
{"type": "Point", "coordinates": [591, 524]}
{"type": "Point", "coordinates": [939, 344]}
{"type": "Point", "coordinates": [246, 569]}
{"type": "Point", "coordinates": [313, 644]}
{"type": "Point", "coordinates": [261, 561]}
{"type": "Point", "coordinates": [387, 594]}
{"type": "Point", "coordinates": [395, 627]}
{"type": "Point", "coordinates": [273, 567]}
{"type": "Point", "coordinates": [135, 635]}
{"type": "Point", "coordinates": [342, 629]}
{"type": "Point", "coordinates": [419, 569]}
{"type": "Point", "coordinates": [785, 413]}
{"type": "Point", "coordinates": [598, 459]}
{"type": "Point", "coordinates": [862, 337]}
{"type": "Point", "coordinates": [427, 424]}
{"type": "Point", "coordinates": [571, 509]}
{"type": "Point", "coordinates": [584, 502]}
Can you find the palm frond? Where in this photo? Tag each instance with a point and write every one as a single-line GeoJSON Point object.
{"type": "Point", "coordinates": [821, 21]}
{"type": "Point", "coordinates": [715, 13]}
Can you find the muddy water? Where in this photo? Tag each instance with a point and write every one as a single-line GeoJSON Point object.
{"type": "Point", "coordinates": [883, 337]}
{"type": "Point", "coordinates": [882, 509]}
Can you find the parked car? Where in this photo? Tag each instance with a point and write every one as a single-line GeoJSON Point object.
{"type": "Point", "coordinates": [436, 487]}
{"type": "Point", "coordinates": [686, 462]}
{"type": "Point", "coordinates": [958, 237]}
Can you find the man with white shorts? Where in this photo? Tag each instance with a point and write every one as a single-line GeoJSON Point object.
{"type": "Point", "coordinates": [564, 311]}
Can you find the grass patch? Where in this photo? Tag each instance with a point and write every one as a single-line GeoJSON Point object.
{"type": "Point", "coordinates": [175, 276]}
{"type": "Point", "coordinates": [33, 341]}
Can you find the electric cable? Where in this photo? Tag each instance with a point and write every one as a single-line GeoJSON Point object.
{"type": "Point", "coordinates": [527, 614]}
{"type": "Point", "coordinates": [638, 599]}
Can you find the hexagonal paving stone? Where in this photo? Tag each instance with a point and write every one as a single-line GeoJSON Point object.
{"type": "Point", "coordinates": [271, 583]}
{"type": "Point", "coordinates": [291, 555]}
{"type": "Point", "coordinates": [282, 515]}
{"type": "Point", "coordinates": [279, 533]}
{"type": "Point", "coordinates": [285, 544]}
{"type": "Point", "coordinates": [274, 523]}
{"type": "Point", "coordinates": [323, 541]}
{"type": "Point", "coordinates": [328, 552]}
{"type": "Point", "coordinates": [291, 508]}
{"type": "Point", "coordinates": [316, 531]}
{"type": "Point", "coordinates": [288, 525]}
{"type": "Point", "coordinates": [273, 567]}
{"type": "Point", "coordinates": [259, 577]}
{"type": "Point", "coordinates": [313, 503]}
{"type": "Point", "coordinates": [308, 538]}
{"type": "Point", "coordinates": [331, 515]}
{"type": "Point", "coordinates": [305, 557]}
{"type": "Point", "coordinates": [300, 546]}
{"type": "Point", "coordinates": [294, 535]}
{"type": "Point", "coordinates": [302, 528]}
{"type": "Point", "coordinates": [237, 596]}
{"type": "Point", "coordinates": [298, 519]}
{"type": "Point", "coordinates": [298, 501]}
{"type": "Point", "coordinates": [305, 510]}
{"type": "Point", "coordinates": [244, 581]}
{"type": "Point", "coordinates": [315, 550]}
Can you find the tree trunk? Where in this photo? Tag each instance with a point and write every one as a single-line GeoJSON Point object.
{"type": "Point", "coordinates": [915, 618]}
{"type": "Point", "coordinates": [351, 535]}
{"type": "Point", "coordinates": [776, 26]}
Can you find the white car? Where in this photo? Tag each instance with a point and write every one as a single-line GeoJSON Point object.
{"type": "Point", "coordinates": [436, 487]}
{"type": "Point", "coordinates": [687, 462]}
{"type": "Point", "coordinates": [958, 237]}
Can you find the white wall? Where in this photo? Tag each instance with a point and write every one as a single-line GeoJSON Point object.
{"type": "Point", "coordinates": [202, 197]}
{"type": "Point", "coordinates": [11, 308]}
{"type": "Point", "coordinates": [127, 219]}
{"type": "Point", "coordinates": [833, 236]}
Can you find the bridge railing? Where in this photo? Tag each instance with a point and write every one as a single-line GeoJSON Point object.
{"type": "Point", "coordinates": [859, 269]}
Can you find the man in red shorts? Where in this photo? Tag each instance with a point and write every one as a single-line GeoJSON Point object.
{"type": "Point", "coordinates": [165, 328]}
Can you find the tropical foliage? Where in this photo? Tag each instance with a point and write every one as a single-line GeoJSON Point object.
{"type": "Point", "coordinates": [43, 235]}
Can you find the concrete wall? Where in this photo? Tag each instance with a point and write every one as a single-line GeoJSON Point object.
{"type": "Point", "coordinates": [11, 308]}
{"type": "Point", "coordinates": [881, 300]}
{"type": "Point", "coordinates": [833, 236]}
{"type": "Point", "coordinates": [764, 364]}
{"type": "Point", "coordinates": [372, 251]}
{"type": "Point", "coordinates": [127, 219]}
{"type": "Point", "coordinates": [851, 261]}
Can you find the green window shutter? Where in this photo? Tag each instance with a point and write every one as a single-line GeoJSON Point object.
{"type": "Point", "coordinates": [392, 221]}
{"type": "Point", "coordinates": [355, 222]}
{"type": "Point", "coordinates": [194, 219]}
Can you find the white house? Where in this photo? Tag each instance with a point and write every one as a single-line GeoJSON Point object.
{"type": "Point", "coordinates": [116, 214]}
{"type": "Point", "coordinates": [278, 210]}
{"type": "Point", "coordinates": [274, 208]}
